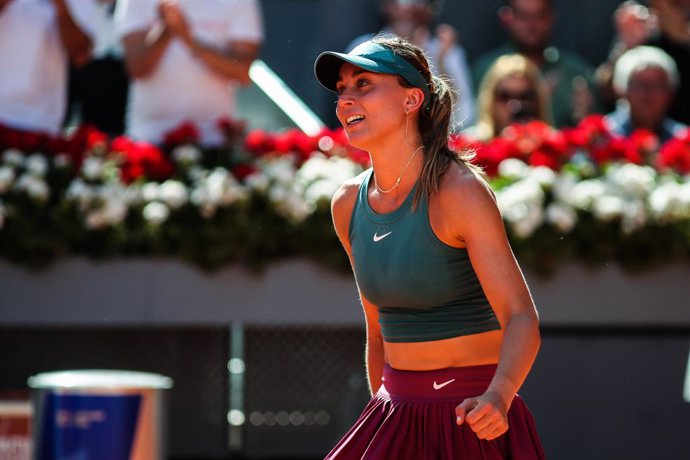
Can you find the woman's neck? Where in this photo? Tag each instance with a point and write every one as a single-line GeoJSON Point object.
{"type": "Point", "coordinates": [397, 169]}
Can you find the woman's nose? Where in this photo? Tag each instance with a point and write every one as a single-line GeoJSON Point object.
{"type": "Point", "coordinates": [345, 99]}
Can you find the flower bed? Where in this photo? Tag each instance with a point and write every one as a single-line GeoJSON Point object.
{"type": "Point", "coordinates": [578, 194]}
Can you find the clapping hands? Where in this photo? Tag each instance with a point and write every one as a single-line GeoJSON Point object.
{"type": "Point", "coordinates": [174, 19]}
{"type": "Point", "coordinates": [634, 24]}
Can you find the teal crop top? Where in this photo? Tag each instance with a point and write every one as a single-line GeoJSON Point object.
{"type": "Point", "coordinates": [424, 289]}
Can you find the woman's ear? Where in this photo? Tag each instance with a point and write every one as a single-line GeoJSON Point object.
{"type": "Point", "coordinates": [414, 100]}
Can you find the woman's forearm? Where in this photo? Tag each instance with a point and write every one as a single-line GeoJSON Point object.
{"type": "Point", "coordinates": [521, 343]}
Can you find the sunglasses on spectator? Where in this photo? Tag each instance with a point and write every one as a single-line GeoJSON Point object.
{"type": "Point", "coordinates": [505, 95]}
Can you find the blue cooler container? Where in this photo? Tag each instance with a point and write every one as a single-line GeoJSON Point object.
{"type": "Point", "coordinates": [98, 415]}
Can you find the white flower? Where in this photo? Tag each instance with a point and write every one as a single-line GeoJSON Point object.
{"type": "Point", "coordinates": [257, 181]}
{"type": "Point", "coordinates": [633, 180]}
{"type": "Point", "coordinates": [295, 208]}
{"type": "Point", "coordinates": [80, 192]}
{"type": "Point", "coordinates": [13, 157]}
{"type": "Point", "coordinates": [527, 192]}
{"type": "Point", "coordinates": [62, 160]}
{"type": "Point", "coordinates": [219, 188]}
{"type": "Point", "coordinates": [134, 194]}
{"type": "Point", "coordinates": [669, 201]}
{"type": "Point", "coordinates": [543, 175]}
{"type": "Point", "coordinates": [33, 186]}
{"type": "Point", "coordinates": [335, 169]}
{"type": "Point", "coordinates": [584, 194]}
{"type": "Point", "coordinates": [36, 164]}
{"type": "Point", "coordinates": [521, 205]}
{"type": "Point", "coordinates": [186, 154]}
{"type": "Point", "coordinates": [150, 191]}
{"type": "Point", "coordinates": [224, 188]}
{"type": "Point", "coordinates": [634, 216]}
{"type": "Point", "coordinates": [321, 190]}
{"type": "Point", "coordinates": [156, 213]}
{"type": "Point", "coordinates": [527, 224]}
{"type": "Point", "coordinates": [563, 187]}
{"type": "Point", "coordinates": [315, 168]}
{"type": "Point", "coordinates": [281, 169]}
{"type": "Point", "coordinates": [561, 216]}
{"type": "Point", "coordinates": [512, 168]}
{"type": "Point", "coordinates": [113, 200]}
{"type": "Point", "coordinates": [173, 193]}
{"type": "Point", "coordinates": [608, 207]}
{"type": "Point", "coordinates": [7, 177]}
{"type": "Point", "coordinates": [278, 194]}
{"type": "Point", "coordinates": [92, 168]}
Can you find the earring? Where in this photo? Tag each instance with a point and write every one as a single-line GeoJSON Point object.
{"type": "Point", "coordinates": [406, 120]}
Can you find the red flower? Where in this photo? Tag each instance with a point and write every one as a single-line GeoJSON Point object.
{"type": "Point", "coordinates": [544, 158]}
{"type": "Point", "coordinates": [259, 142]}
{"type": "Point", "coordinates": [242, 171]}
{"type": "Point", "coordinates": [141, 159]}
{"type": "Point", "coordinates": [459, 143]}
{"type": "Point", "coordinates": [675, 154]}
{"type": "Point", "coordinates": [231, 129]}
{"type": "Point", "coordinates": [186, 133]}
{"type": "Point", "coordinates": [491, 154]}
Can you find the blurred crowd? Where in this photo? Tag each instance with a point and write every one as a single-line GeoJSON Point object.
{"type": "Point", "coordinates": [143, 67]}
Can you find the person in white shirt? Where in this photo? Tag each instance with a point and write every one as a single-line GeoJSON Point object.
{"type": "Point", "coordinates": [37, 38]}
{"type": "Point", "coordinates": [98, 91]}
{"type": "Point", "coordinates": [412, 20]}
{"type": "Point", "coordinates": [185, 58]}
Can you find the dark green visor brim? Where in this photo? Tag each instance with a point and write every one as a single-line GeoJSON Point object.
{"type": "Point", "coordinates": [328, 64]}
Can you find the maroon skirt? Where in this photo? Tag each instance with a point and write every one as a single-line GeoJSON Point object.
{"type": "Point", "coordinates": [413, 417]}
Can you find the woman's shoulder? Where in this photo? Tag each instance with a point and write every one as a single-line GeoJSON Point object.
{"type": "Point", "coordinates": [348, 190]}
{"type": "Point", "coordinates": [464, 188]}
{"type": "Point", "coordinates": [344, 200]}
{"type": "Point", "coordinates": [463, 177]}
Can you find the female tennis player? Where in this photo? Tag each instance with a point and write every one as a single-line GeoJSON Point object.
{"type": "Point", "coordinates": [452, 330]}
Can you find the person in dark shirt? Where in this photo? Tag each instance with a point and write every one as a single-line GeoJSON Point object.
{"type": "Point", "coordinates": [568, 77]}
{"type": "Point", "coordinates": [674, 38]}
{"type": "Point", "coordinates": [665, 25]}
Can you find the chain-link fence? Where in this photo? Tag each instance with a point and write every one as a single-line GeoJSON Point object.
{"type": "Point", "coordinates": [303, 388]}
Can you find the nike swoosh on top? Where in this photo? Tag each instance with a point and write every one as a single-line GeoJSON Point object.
{"type": "Point", "coordinates": [379, 238]}
{"type": "Point", "coordinates": [438, 386]}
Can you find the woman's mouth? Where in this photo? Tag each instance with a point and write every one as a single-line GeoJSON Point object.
{"type": "Point", "coordinates": [354, 119]}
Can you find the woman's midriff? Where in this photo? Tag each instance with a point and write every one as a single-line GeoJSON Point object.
{"type": "Point", "coordinates": [468, 350]}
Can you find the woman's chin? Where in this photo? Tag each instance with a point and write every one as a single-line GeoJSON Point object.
{"type": "Point", "coordinates": [358, 140]}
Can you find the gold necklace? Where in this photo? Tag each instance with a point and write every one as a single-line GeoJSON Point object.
{"type": "Point", "coordinates": [397, 181]}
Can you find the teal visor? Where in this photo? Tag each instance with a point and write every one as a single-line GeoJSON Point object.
{"type": "Point", "coordinates": [372, 57]}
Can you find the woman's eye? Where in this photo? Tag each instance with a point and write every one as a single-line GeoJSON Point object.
{"type": "Point", "coordinates": [362, 83]}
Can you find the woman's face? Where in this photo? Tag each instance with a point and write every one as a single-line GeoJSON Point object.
{"type": "Point", "coordinates": [514, 101]}
{"type": "Point", "coordinates": [370, 106]}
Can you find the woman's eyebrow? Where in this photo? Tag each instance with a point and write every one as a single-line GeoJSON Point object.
{"type": "Point", "coordinates": [354, 74]}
